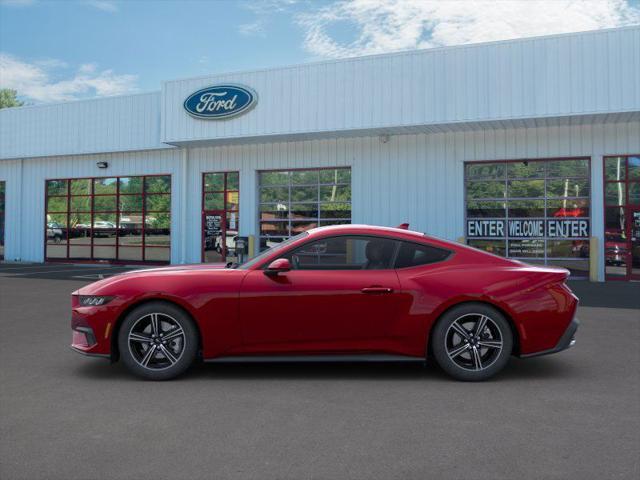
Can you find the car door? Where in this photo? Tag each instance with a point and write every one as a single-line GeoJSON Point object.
{"type": "Point", "coordinates": [340, 296]}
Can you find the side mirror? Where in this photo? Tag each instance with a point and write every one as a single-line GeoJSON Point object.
{"type": "Point", "coordinates": [280, 265]}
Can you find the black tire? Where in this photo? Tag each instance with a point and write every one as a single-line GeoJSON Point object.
{"type": "Point", "coordinates": [479, 355]}
{"type": "Point", "coordinates": [165, 358]}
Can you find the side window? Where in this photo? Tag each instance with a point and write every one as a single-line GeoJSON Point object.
{"type": "Point", "coordinates": [414, 254]}
{"type": "Point", "coordinates": [345, 253]}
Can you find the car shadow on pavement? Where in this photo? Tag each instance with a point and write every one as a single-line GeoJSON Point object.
{"type": "Point", "coordinates": [517, 369]}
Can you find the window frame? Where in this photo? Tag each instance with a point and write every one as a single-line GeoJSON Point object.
{"type": "Point", "coordinates": [450, 255]}
{"type": "Point", "coordinates": [318, 203]}
{"type": "Point", "coordinates": [117, 212]}
{"type": "Point", "coordinates": [545, 176]}
{"type": "Point", "coordinates": [329, 237]}
{"type": "Point", "coordinates": [397, 241]}
{"type": "Point", "coordinates": [224, 211]}
{"type": "Point", "coordinates": [626, 207]}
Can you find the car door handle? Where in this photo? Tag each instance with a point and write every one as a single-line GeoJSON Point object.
{"type": "Point", "coordinates": [377, 290]}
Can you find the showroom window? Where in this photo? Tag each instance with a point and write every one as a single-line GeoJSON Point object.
{"type": "Point", "coordinates": [293, 201]}
{"type": "Point", "coordinates": [534, 210]}
{"type": "Point", "coordinates": [2, 210]}
{"type": "Point", "coordinates": [122, 219]}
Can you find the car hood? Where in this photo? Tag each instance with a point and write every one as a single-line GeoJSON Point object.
{"type": "Point", "coordinates": [180, 268]}
{"type": "Point", "coordinates": [99, 287]}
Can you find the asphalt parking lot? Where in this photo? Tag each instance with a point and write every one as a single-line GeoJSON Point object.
{"type": "Point", "coordinates": [64, 416]}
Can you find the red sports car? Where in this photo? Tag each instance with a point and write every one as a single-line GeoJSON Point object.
{"type": "Point", "coordinates": [333, 293]}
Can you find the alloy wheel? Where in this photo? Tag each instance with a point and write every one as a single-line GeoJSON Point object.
{"type": "Point", "coordinates": [473, 341]}
{"type": "Point", "coordinates": [156, 341]}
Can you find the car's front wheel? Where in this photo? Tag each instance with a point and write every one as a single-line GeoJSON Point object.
{"type": "Point", "coordinates": [472, 342]}
{"type": "Point", "coordinates": [158, 341]}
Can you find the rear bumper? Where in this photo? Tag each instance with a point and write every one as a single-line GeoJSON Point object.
{"type": "Point", "coordinates": [567, 340]}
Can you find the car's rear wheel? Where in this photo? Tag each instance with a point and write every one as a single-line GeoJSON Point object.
{"type": "Point", "coordinates": [158, 341]}
{"type": "Point", "coordinates": [472, 342]}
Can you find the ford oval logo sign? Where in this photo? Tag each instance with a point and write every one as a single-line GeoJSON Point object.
{"type": "Point", "coordinates": [220, 101]}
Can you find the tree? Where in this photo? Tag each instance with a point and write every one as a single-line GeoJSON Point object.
{"type": "Point", "coordinates": [8, 98]}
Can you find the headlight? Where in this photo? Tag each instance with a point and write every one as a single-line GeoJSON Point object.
{"type": "Point", "coordinates": [93, 300]}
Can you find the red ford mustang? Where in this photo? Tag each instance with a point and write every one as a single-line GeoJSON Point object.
{"type": "Point", "coordinates": [334, 293]}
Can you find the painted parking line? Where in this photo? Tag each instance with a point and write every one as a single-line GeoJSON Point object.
{"type": "Point", "coordinates": [41, 272]}
{"type": "Point", "coordinates": [34, 266]}
{"type": "Point", "coordinates": [95, 276]}
{"type": "Point", "coordinates": [22, 267]}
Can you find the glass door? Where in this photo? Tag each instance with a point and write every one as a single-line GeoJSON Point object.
{"type": "Point", "coordinates": [622, 217]}
{"type": "Point", "coordinates": [214, 250]}
{"type": "Point", "coordinates": [220, 209]}
{"type": "Point", "coordinates": [635, 243]}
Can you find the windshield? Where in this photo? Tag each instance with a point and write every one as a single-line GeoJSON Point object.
{"type": "Point", "coordinates": [257, 259]}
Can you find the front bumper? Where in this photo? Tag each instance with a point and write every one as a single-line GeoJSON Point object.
{"type": "Point", "coordinates": [567, 340]}
{"type": "Point", "coordinates": [83, 341]}
{"type": "Point", "coordinates": [91, 328]}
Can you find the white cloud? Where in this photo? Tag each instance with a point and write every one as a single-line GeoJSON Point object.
{"type": "Point", "coordinates": [51, 63]}
{"type": "Point", "coordinates": [264, 10]}
{"type": "Point", "coordinates": [252, 29]}
{"type": "Point", "coordinates": [104, 5]}
{"type": "Point", "coordinates": [36, 81]}
{"type": "Point", "coordinates": [269, 6]}
{"type": "Point", "coordinates": [87, 68]}
{"type": "Point", "coordinates": [389, 25]}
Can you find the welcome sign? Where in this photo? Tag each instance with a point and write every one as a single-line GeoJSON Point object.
{"type": "Point", "coordinates": [219, 102]}
{"type": "Point", "coordinates": [524, 228]}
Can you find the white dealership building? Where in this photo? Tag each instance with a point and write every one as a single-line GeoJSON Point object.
{"type": "Point", "coordinates": [528, 148]}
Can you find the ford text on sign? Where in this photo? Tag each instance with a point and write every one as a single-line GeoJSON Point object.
{"type": "Point", "coordinates": [220, 101]}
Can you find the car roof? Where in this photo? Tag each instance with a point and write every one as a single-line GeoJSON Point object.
{"type": "Point", "coordinates": [363, 229]}
{"type": "Point", "coordinates": [353, 228]}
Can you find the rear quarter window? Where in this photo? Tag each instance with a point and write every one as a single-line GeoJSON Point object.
{"type": "Point", "coordinates": [415, 254]}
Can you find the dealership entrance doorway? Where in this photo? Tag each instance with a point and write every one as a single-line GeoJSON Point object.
{"type": "Point", "coordinates": [220, 204]}
{"type": "Point", "coordinates": [622, 217]}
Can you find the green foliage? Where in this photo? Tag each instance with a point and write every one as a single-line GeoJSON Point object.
{"type": "Point", "coordinates": [158, 184]}
{"type": "Point", "coordinates": [8, 98]}
{"type": "Point", "coordinates": [526, 188]}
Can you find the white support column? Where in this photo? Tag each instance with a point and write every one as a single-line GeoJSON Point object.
{"type": "Point", "coordinates": [184, 196]}
{"type": "Point", "coordinates": [11, 174]}
{"type": "Point", "coordinates": [249, 203]}
{"type": "Point", "coordinates": [597, 212]}
{"type": "Point", "coordinates": [13, 228]}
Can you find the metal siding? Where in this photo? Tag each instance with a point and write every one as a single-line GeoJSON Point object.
{"type": "Point", "coordinates": [90, 126]}
{"type": "Point", "coordinates": [416, 178]}
{"type": "Point", "coordinates": [555, 76]}
{"type": "Point", "coordinates": [11, 173]}
{"type": "Point", "coordinates": [28, 219]}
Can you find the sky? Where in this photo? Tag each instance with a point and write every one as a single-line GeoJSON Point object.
{"type": "Point", "coordinates": [59, 50]}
